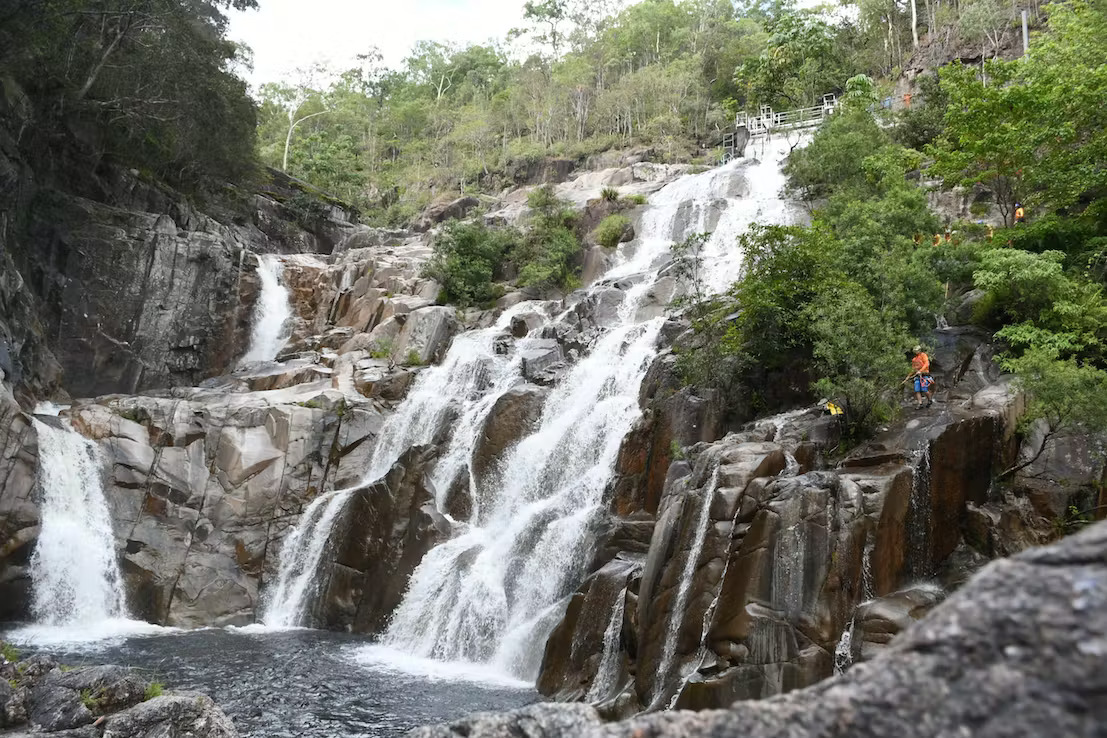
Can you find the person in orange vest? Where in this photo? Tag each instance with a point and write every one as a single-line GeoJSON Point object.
{"type": "Point", "coordinates": [1020, 213]}
{"type": "Point", "coordinates": [923, 382]}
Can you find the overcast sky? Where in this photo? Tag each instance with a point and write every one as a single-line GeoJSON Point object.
{"type": "Point", "coordinates": [286, 34]}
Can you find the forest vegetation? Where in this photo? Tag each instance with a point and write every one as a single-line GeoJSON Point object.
{"type": "Point", "coordinates": [151, 85]}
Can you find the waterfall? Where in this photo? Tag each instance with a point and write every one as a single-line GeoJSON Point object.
{"type": "Point", "coordinates": [289, 602]}
{"type": "Point", "coordinates": [74, 572]}
{"type": "Point", "coordinates": [462, 388]}
{"type": "Point", "coordinates": [271, 313]}
{"type": "Point", "coordinates": [919, 517]}
{"type": "Point", "coordinates": [843, 652]}
{"type": "Point", "coordinates": [492, 593]}
{"type": "Point", "coordinates": [684, 585]}
{"type": "Point", "coordinates": [606, 680]}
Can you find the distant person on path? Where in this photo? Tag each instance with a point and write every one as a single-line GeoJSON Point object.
{"type": "Point", "coordinates": [1020, 213]}
{"type": "Point", "coordinates": [923, 382]}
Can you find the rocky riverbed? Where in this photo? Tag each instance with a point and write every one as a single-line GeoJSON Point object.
{"type": "Point", "coordinates": [278, 684]}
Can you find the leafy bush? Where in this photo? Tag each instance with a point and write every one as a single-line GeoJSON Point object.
{"type": "Point", "coordinates": [833, 159]}
{"type": "Point", "coordinates": [381, 349]}
{"type": "Point", "coordinates": [635, 199]}
{"type": "Point", "coordinates": [466, 257]}
{"type": "Point", "coordinates": [924, 121]}
{"type": "Point", "coordinates": [611, 230]}
{"type": "Point", "coordinates": [548, 253]}
{"type": "Point", "coordinates": [154, 689]}
{"type": "Point", "coordinates": [9, 652]}
{"type": "Point", "coordinates": [609, 194]}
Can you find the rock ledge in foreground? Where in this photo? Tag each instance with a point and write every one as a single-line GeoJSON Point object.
{"type": "Point", "coordinates": [1018, 652]}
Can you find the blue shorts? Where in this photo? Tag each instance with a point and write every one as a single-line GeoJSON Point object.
{"type": "Point", "coordinates": [922, 384]}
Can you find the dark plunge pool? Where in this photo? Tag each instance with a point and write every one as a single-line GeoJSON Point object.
{"type": "Point", "coordinates": [303, 682]}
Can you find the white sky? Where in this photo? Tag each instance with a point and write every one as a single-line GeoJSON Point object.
{"type": "Point", "coordinates": [287, 34]}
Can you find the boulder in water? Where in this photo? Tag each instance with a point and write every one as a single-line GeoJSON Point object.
{"type": "Point", "coordinates": [510, 420]}
{"type": "Point", "coordinates": [184, 714]}
{"type": "Point", "coordinates": [425, 335]}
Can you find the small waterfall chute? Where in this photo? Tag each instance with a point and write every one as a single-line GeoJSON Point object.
{"type": "Point", "coordinates": [289, 601]}
{"type": "Point", "coordinates": [684, 585]}
{"type": "Point", "coordinates": [484, 595]}
{"type": "Point", "coordinates": [272, 312]}
{"type": "Point", "coordinates": [606, 680]}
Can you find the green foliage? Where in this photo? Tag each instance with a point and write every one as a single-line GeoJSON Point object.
{"type": "Point", "coordinates": [154, 689]}
{"type": "Point", "coordinates": [857, 354]}
{"type": "Point", "coordinates": [676, 451]}
{"type": "Point", "coordinates": [609, 194]}
{"type": "Point", "coordinates": [8, 652]}
{"type": "Point", "coordinates": [1033, 129]}
{"type": "Point", "coordinates": [413, 358]}
{"type": "Point", "coordinates": [834, 158]}
{"type": "Point", "coordinates": [1065, 395]}
{"type": "Point", "coordinates": [382, 349]}
{"type": "Point", "coordinates": [466, 257]}
{"type": "Point", "coordinates": [635, 199]}
{"type": "Point", "coordinates": [924, 121]}
{"type": "Point", "coordinates": [150, 80]}
{"type": "Point", "coordinates": [609, 233]}
{"type": "Point", "coordinates": [549, 251]}
{"type": "Point", "coordinates": [860, 93]}
{"type": "Point", "coordinates": [91, 700]}
{"type": "Point", "coordinates": [1021, 284]}
{"type": "Point", "coordinates": [798, 65]}
{"type": "Point", "coordinates": [688, 269]}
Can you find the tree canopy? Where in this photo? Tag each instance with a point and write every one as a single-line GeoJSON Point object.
{"type": "Point", "coordinates": [150, 83]}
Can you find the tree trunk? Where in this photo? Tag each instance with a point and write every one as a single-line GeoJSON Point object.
{"type": "Point", "coordinates": [288, 138]}
{"type": "Point", "coordinates": [95, 73]}
{"type": "Point", "coordinates": [915, 23]}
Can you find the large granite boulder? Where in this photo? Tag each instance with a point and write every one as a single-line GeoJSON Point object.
{"type": "Point", "coordinates": [42, 698]}
{"type": "Point", "coordinates": [425, 335]}
{"type": "Point", "coordinates": [512, 418]}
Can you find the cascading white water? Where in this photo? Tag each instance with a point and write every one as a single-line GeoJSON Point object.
{"type": "Point", "coordinates": [289, 602]}
{"type": "Point", "coordinates": [271, 313]}
{"type": "Point", "coordinates": [74, 572]}
{"type": "Point", "coordinates": [843, 652]}
{"type": "Point", "coordinates": [607, 674]}
{"type": "Point", "coordinates": [464, 385]}
{"type": "Point", "coordinates": [487, 595]}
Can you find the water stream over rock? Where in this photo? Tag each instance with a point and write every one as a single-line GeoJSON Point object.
{"type": "Point", "coordinates": [297, 582]}
{"type": "Point", "coordinates": [271, 313]}
{"type": "Point", "coordinates": [73, 569]}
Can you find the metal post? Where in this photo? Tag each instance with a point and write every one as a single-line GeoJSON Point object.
{"type": "Point", "coordinates": [1025, 35]}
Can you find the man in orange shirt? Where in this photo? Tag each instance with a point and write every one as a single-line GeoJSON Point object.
{"type": "Point", "coordinates": [924, 383]}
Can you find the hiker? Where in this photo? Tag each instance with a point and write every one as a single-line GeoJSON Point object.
{"type": "Point", "coordinates": [923, 382]}
{"type": "Point", "coordinates": [1020, 213]}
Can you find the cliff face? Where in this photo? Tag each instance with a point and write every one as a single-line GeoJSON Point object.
{"type": "Point", "coordinates": [758, 568]}
{"type": "Point", "coordinates": [205, 482]}
{"type": "Point", "coordinates": [1015, 653]}
{"type": "Point", "coordinates": [133, 286]}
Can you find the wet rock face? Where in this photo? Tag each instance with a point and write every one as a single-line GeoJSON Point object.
{"type": "Point", "coordinates": [980, 661]}
{"type": "Point", "coordinates": [514, 416]}
{"type": "Point", "coordinates": [18, 510]}
{"type": "Point", "coordinates": [382, 536]}
{"type": "Point", "coordinates": [43, 698]}
{"type": "Point", "coordinates": [203, 488]}
{"type": "Point", "coordinates": [757, 557]}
